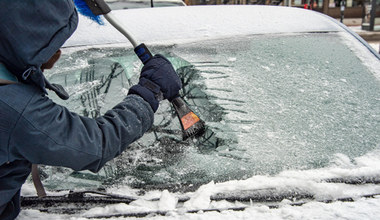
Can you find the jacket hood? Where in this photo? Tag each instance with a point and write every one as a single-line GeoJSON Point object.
{"type": "Point", "coordinates": [31, 31]}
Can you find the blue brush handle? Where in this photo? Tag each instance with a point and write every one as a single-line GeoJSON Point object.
{"type": "Point", "coordinates": [143, 53]}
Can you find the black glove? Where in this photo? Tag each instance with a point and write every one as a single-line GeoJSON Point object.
{"type": "Point", "coordinates": [158, 80]}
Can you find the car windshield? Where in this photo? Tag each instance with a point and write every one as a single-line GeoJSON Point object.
{"type": "Point", "coordinates": [270, 103]}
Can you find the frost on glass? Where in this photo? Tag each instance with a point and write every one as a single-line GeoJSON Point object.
{"type": "Point", "coordinates": [270, 104]}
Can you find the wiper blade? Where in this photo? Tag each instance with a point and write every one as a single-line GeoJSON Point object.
{"type": "Point", "coordinates": [77, 202]}
{"type": "Point", "coordinates": [83, 200]}
{"type": "Point", "coordinates": [355, 180]}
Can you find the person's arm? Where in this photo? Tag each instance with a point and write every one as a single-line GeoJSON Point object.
{"type": "Point", "coordinates": [50, 134]}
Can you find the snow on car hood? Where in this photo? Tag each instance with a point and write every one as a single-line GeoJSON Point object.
{"type": "Point", "coordinates": [175, 24]}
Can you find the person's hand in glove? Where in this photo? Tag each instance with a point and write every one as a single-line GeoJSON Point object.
{"type": "Point", "coordinates": [158, 80]}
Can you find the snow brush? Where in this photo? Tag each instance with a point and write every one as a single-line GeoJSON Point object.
{"type": "Point", "coordinates": [191, 124]}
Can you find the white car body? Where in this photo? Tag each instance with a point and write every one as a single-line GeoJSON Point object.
{"type": "Point", "coordinates": [334, 182]}
{"type": "Point", "coordinates": [205, 22]}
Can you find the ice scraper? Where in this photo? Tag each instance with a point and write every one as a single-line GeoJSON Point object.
{"type": "Point", "coordinates": [191, 124]}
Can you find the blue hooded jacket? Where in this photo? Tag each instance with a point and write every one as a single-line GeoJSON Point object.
{"type": "Point", "coordinates": [34, 129]}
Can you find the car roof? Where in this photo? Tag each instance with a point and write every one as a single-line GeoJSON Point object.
{"type": "Point", "coordinates": [174, 24]}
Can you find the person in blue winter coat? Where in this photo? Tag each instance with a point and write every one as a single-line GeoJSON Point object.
{"type": "Point", "coordinates": [34, 129]}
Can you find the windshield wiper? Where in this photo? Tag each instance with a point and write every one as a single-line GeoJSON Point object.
{"type": "Point", "coordinates": [355, 180]}
{"type": "Point", "coordinates": [76, 202]}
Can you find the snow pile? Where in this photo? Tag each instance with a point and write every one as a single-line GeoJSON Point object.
{"type": "Point", "coordinates": [199, 205]}
{"type": "Point", "coordinates": [363, 208]}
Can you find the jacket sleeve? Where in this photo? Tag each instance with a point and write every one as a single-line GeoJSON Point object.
{"type": "Point", "coordinates": [50, 134]}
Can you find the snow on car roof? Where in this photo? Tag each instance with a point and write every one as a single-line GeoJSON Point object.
{"type": "Point", "coordinates": [173, 24]}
